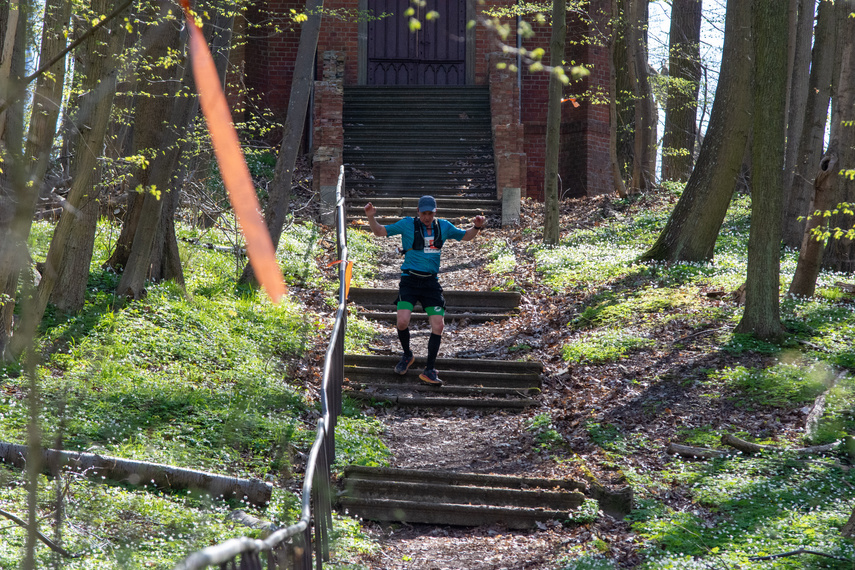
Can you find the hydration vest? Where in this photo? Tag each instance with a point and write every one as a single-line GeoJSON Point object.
{"type": "Point", "coordinates": [419, 238]}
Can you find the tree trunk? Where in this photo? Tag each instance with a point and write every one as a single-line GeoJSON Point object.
{"type": "Point", "coordinates": [624, 102]}
{"type": "Point", "coordinates": [840, 252]}
{"type": "Point", "coordinates": [150, 138]}
{"type": "Point", "coordinates": [684, 76]}
{"type": "Point", "coordinates": [692, 228]}
{"type": "Point", "coordinates": [12, 185]}
{"type": "Point", "coordinates": [167, 172]}
{"type": "Point", "coordinates": [70, 252]}
{"type": "Point", "coordinates": [810, 255]}
{"type": "Point", "coordinates": [762, 284]}
{"type": "Point", "coordinates": [617, 178]}
{"type": "Point", "coordinates": [298, 104]}
{"type": "Point", "coordinates": [644, 141]}
{"type": "Point", "coordinates": [551, 233]}
{"type": "Point", "coordinates": [142, 472]}
{"type": "Point", "coordinates": [801, 36]}
{"type": "Point", "coordinates": [799, 185]}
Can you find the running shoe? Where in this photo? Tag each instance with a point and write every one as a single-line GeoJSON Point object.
{"type": "Point", "coordinates": [404, 364]}
{"type": "Point", "coordinates": [430, 377]}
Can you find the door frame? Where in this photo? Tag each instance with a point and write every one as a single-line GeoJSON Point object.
{"type": "Point", "coordinates": [362, 45]}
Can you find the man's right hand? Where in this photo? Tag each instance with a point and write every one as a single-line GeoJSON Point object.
{"type": "Point", "coordinates": [370, 210]}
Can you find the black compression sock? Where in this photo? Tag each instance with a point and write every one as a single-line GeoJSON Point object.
{"type": "Point", "coordinates": [404, 337]}
{"type": "Point", "coordinates": [433, 349]}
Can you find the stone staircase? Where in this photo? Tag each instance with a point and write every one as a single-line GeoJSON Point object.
{"type": "Point", "coordinates": [471, 383]}
{"type": "Point", "coordinates": [403, 142]}
{"type": "Point", "coordinates": [462, 499]}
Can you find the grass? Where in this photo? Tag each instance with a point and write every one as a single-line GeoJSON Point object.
{"type": "Point", "coordinates": [740, 506]}
{"type": "Point", "coordinates": [212, 377]}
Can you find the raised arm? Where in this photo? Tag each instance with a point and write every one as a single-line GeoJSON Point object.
{"type": "Point", "coordinates": [370, 212]}
{"type": "Point", "coordinates": [477, 223]}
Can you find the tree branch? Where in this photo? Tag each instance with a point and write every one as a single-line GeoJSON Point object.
{"type": "Point", "coordinates": [22, 88]}
{"type": "Point", "coordinates": [42, 537]}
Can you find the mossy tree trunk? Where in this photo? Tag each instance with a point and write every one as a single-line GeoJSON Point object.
{"type": "Point", "coordinates": [762, 285]}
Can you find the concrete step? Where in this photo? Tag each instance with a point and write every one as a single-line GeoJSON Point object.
{"type": "Point", "coordinates": [461, 499]}
{"type": "Point", "coordinates": [410, 141]}
{"type": "Point", "coordinates": [470, 383]}
{"type": "Point", "coordinates": [477, 306]}
{"type": "Point", "coordinates": [488, 301]}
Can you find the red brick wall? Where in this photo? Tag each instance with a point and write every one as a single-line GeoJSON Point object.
{"type": "Point", "coordinates": [583, 156]}
{"type": "Point", "coordinates": [341, 36]}
{"type": "Point", "coordinates": [269, 63]}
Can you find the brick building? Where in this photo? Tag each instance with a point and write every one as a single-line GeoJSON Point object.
{"type": "Point", "coordinates": [352, 53]}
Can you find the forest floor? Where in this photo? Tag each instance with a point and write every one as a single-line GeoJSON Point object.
{"type": "Point", "coordinates": [651, 394]}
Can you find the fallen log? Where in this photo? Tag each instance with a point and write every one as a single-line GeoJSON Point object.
{"type": "Point", "coordinates": [690, 452]}
{"type": "Point", "coordinates": [144, 473]}
{"type": "Point", "coordinates": [750, 448]}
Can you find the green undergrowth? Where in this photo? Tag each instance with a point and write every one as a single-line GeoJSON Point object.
{"type": "Point", "coordinates": [735, 507]}
{"type": "Point", "coordinates": [211, 376]}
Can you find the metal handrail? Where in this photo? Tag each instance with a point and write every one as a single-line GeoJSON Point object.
{"type": "Point", "coordinates": [293, 546]}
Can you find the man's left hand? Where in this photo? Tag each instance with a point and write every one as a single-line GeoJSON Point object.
{"type": "Point", "coordinates": [479, 221]}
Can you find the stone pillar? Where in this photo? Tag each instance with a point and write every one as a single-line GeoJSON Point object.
{"type": "Point", "coordinates": [508, 136]}
{"type": "Point", "coordinates": [328, 133]}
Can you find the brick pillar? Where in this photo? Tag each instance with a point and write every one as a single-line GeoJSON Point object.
{"type": "Point", "coordinates": [508, 136]}
{"type": "Point", "coordinates": [328, 132]}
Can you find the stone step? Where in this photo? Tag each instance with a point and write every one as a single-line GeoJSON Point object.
{"type": "Point", "coordinates": [488, 301]}
{"type": "Point", "coordinates": [467, 382]}
{"type": "Point", "coordinates": [476, 306]}
{"type": "Point", "coordinates": [461, 499]}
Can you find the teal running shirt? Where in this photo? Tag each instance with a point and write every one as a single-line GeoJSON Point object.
{"type": "Point", "coordinates": [426, 261]}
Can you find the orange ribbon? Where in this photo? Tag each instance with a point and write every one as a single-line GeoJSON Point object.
{"type": "Point", "coordinates": [236, 177]}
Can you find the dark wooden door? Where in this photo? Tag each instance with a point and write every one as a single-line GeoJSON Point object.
{"type": "Point", "coordinates": [432, 55]}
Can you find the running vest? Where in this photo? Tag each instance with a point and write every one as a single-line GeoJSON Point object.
{"type": "Point", "coordinates": [419, 238]}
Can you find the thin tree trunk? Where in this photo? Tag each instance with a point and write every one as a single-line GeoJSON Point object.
{"type": "Point", "coordinates": [617, 179]}
{"type": "Point", "coordinates": [684, 76]}
{"type": "Point", "coordinates": [810, 255]}
{"type": "Point", "coordinates": [298, 104]}
{"type": "Point", "coordinates": [797, 93]}
{"type": "Point", "coordinates": [644, 142]}
{"type": "Point", "coordinates": [799, 186]}
{"type": "Point", "coordinates": [551, 233]}
{"type": "Point", "coordinates": [692, 228]}
{"type": "Point", "coordinates": [624, 100]}
{"type": "Point", "coordinates": [13, 188]}
{"type": "Point", "coordinates": [840, 252]}
{"type": "Point", "coordinates": [70, 252]}
{"type": "Point", "coordinates": [762, 285]}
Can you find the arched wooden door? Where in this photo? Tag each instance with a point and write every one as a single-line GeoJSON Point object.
{"type": "Point", "coordinates": [435, 54]}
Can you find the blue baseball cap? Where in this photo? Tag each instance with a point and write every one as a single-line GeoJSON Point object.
{"type": "Point", "coordinates": [427, 204]}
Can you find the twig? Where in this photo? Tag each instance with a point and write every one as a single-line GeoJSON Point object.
{"type": "Point", "coordinates": [796, 553]}
{"type": "Point", "coordinates": [42, 537]}
{"type": "Point", "coordinates": [695, 334]}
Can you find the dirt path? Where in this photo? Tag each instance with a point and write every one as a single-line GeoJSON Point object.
{"type": "Point", "coordinates": [465, 440]}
